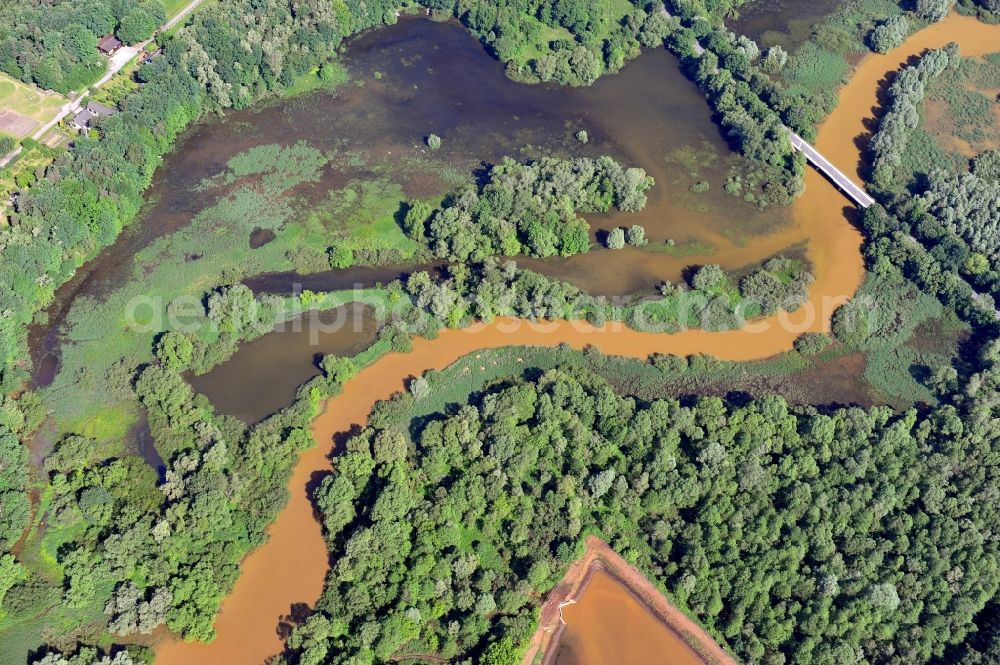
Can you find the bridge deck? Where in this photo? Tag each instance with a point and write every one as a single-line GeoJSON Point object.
{"type": "Point", "coordinates": [853, 191]}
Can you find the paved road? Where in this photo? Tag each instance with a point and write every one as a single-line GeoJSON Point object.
{"type": "Point", "coordinates": [115, 64]}
{"type": "Point", "coordinates": [853, 191]}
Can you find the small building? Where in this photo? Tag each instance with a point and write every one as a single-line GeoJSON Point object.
{"type": "Point", "coordinates": [100, 109]}
{"type": "Point", "coordinates": [109, 45]}
{"type": "Point", "coordinates": [81, 121]}
{"type": "Point", "coordinates": [148, 56]}
{"type": "Point", "coordinates": [84, 118]}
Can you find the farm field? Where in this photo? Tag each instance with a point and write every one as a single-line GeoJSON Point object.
{"type": "Point", "coordinates": [24, 108]}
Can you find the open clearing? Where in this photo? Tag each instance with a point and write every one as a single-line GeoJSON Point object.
{"type": "Point", "coordinates": [23, 107]}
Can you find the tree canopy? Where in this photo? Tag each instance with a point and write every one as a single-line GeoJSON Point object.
{"type": "Point", "coordinates": [55, 44]}
{"type": "Point", "coordinates": [529, 208]}
{"type": "Point", "coordinates": [793, 535]}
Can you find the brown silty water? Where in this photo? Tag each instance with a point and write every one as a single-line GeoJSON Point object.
{"type": "Point", "coordinates": [608, 624]}
{"type": "Point", "coordinates": [290, 568]}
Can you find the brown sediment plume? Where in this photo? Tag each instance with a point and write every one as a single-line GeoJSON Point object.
{"type": "Point", "coordinates": [290, 568]}
{"type": "Point", "coordinates": [603, 571]}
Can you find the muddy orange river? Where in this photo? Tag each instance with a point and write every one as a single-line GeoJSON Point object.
{"type": "Point", "coordinates": [290, 568]}
{"type": "Point", "coordinates": [610, 625]}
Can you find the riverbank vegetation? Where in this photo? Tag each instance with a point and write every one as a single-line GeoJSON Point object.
{"type": "Point", "coordinates": [90, 563]}
{"type": "Point", "coordinates": [90, 194]}
{"type": "Point", "coordinates": [590, 466]}
{"type": "Point", "coordinates": [818, 68]}
{"type": "Point", "coordinates": [114, 546]}
{"type": "Point", "coordinates": [87, 196]}
{"type": "Point", "coordinates": [714, 300]}
{"type": "Point", "coordinates": [911, 342]}
{"type": "Point", "coordinates": [732, 73]}
{"type": "Point", "coordinates": [568, 41]}
{"type": "Point", "coordinates": [123, 550]}
{"type": "Point", "coordinates": [941, 118]}
{"type": "Point", "coordinates": [902, 114]}
{"type": "Point", "coordinates": [184, 568]}
{"type": "Point", "coordinates": [946, 203]}
{"type": "Point", "coordinates": [985, 10]}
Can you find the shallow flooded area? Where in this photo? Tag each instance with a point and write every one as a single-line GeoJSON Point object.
{"type": "Point", "coordinates": [787, 23]}
{"type": "Point", "coordinates": [289, 569]}
{"type": "Point", "coordinates": [608, 624]}
{"type": "Point", "coordinates": [262, 376]}
{"type": "Point", "coordinates": [420, 77]}
{"type": "Point", "coordinates": [405, 82]}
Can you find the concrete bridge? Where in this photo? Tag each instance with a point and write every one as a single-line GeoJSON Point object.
{"type": "Point", "coordinates": [852, 190]}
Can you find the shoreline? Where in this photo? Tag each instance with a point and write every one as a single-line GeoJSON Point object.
{"type": "Point", "coordinates": [290, 568]}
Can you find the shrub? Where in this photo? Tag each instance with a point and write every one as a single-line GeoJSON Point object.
{"type": "Point", "coordinates": [889, 34]}
{"type": "Point", "coordinates": [175, 350]}
{"type": "Point", "coordinates": [415, 220]}
{"type": "Point", "coordinates": [433, 141]}
{"type": "Point", "coordinates": [709, 278]}
{"type": "Point", "coordinates": [328, 72]}
{"type": "Point", "coordinates": [809, 344]}
{"type": "Point", "coordinates": [337, 369]}
{"type": "Point", "coordinates": [932, 10]}
{"type": "Point", "coordinates": [616, 238]}
{"type": "Point", "coordinates": [635, 235]}
{"type": "Point", "coordinates": [779, 284]}
{"type": "Point", "coordinates": [775, 60]}
{"type": "Point", "coordinates": [420, 388]}
{"type": "Point", "coordinates": [341, 256]}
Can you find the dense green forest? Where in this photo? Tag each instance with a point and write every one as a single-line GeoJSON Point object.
{"type": "Point", "coordinates": [54, 45]}
{"type": "Point", "coordinates": [793, 535]}
{"type": "Point", "coordinates": [856, 516]}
